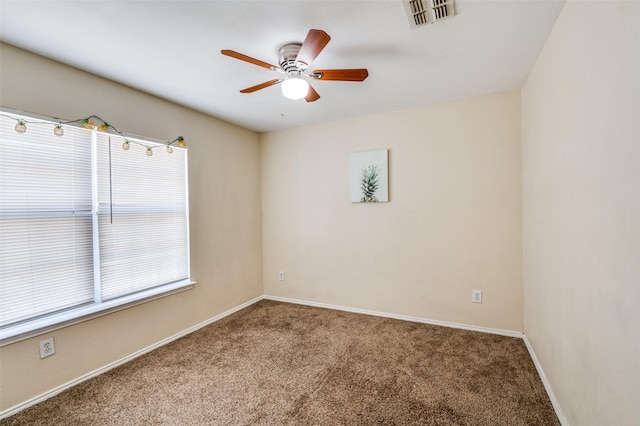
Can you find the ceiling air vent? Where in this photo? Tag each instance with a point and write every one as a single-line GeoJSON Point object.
{"type": "Point", "coordinates": [423, 12]}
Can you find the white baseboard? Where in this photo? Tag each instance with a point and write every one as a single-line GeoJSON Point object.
{"type": "Point", "coordinates": [508, 333]}
{"type": "Point", "coordinates": [547, 386]}
{"type": "Point", "coordinates": [46, 395]}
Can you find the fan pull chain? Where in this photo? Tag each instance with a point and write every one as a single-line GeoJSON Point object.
{"type": "Point", "coordinates": [282, 106]}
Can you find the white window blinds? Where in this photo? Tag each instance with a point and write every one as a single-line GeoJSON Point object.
{"type": "Point", "coordinates": [46, 246]}
{"type": "Point", "coordinates": [86, 226]}
{"type": "Point", "coordinates": [142, 217]}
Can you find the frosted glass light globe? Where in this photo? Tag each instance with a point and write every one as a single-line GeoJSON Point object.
{"type": "Point", "coordinates": [295, 88]}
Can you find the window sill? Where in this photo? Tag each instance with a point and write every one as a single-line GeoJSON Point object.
{"type": "Point", "coordinates": [63, 319]}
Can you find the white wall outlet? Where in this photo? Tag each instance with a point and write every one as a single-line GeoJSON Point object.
{"type": "Point", "coordinates": [281, 275]}
{"type": "Point", "coordinates": [47, 347]}
{"type": "Point", "coordinates": [476, 296]}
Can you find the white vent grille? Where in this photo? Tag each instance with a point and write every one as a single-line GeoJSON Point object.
{"type": "Point", "coordinates": [423, 12]}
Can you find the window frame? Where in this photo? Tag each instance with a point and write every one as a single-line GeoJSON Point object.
{"type": "Point", "coordinates": [37, 325]}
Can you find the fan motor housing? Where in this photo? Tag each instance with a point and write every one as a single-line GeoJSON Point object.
{"type": "Point", "coordinates": [288, 54]}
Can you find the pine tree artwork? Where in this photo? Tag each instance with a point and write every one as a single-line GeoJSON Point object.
{"type": "Point", "coordinates": [370, 183]}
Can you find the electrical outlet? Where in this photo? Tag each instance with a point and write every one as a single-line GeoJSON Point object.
{"type": "Point", "coordinates": [476, 296]}
{"type": "Point", "coordinates": [47, 347]}
{"type": "Point", "coordinates": [281, 275]}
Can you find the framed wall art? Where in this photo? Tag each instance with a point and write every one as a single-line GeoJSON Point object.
{"type": "Point", "coordinates": [370, 176]}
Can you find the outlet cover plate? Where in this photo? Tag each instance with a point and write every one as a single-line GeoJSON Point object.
{"type": "Point", "coordinates": [476, 296]}
{"type": "Point", "coordinates": [47, 347]}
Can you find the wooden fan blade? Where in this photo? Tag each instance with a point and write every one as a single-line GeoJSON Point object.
{"type": "Point", "coordinates": [312, 95]}
{"type": "Point", "coordinates": [312, 46]}
{"type": "Point", "coordinates": [355, 74]}
{"type": "Point", "coordinates": [249, 59]}
{"type": "Point", "coordinates": [261, 86]}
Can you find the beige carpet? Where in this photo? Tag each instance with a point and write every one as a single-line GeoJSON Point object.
{"type": "Point", "coordinates": [283, 364]}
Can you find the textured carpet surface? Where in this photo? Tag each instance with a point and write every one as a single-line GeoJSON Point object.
{"type": "Point", "coordinates": [282, 364]}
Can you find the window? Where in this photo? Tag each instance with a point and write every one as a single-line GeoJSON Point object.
{"type": "Point", "coordinates": [86, 226]}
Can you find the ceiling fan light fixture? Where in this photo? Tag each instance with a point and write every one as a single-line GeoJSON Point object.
{"type": "Point", "coordinates": [295, 88]}
{"type": "Point", "coordinates": [294, 60]}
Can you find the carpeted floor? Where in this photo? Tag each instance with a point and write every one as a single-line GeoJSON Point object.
{"type": "Point", "coordinates": [282, 364]}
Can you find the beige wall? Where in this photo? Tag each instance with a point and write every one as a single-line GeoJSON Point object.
{"type": "Point", "coordinates": [224, 175]}
{"type": "Point", "coordinates": [453, 223]}
{"type": "Point", "coordinates": [581, 189]}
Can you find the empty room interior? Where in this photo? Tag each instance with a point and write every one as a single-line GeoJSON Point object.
{"type": "Point", "coordinates": [504, 202]}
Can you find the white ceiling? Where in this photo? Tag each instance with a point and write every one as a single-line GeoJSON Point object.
{"type": "Point", "coordinates": [171, 49]}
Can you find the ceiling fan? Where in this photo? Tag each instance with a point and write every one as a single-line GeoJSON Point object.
{"type": "Point", "coordinates": [294, 60]}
